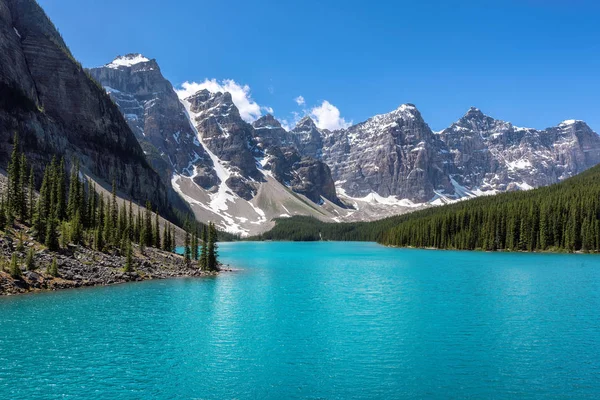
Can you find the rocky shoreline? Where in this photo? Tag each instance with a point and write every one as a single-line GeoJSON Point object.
{"type": "Point", "coordinates": [80, 266]}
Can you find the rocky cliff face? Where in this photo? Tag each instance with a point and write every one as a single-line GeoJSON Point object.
{"type": "Point", "coordinates": [268, 132]}
{"type": "Point", "coordinates": [229, 138]}
{"type": "Point", "coordinates": [494, 155]}
{"type": "Point", "coordinates": [303, 174]}
{"type": "Point", "coordinates": [57, 109]}
{"type": "Point", "coordinates": [394, 154]}
{"type": "Point", "coordinates": [397, 154]}
{"type": "Point", "coordinates": [154, 113]}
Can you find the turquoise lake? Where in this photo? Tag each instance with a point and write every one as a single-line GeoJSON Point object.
{"type": "Point", "coordinates": [318, 321]}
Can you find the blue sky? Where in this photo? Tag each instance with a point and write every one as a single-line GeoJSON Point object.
{"type": "Point", "coordinates": [531, 62]}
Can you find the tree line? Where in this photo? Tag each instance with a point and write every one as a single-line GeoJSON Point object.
{"type": "Point", "coordinates": [69, 210]}
{"type": "Point", "coordinates": [560, 217]}
{"type": "Point", "coordinates": [205, 255]}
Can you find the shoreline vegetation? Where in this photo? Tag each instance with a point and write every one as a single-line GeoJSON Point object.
{"type": "Point", "coordinates": [561, 218]}
{"type": "Point", "coordinates": [58, 238]}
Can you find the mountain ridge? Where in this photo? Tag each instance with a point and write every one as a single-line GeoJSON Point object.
{"type": "Point", "coordinates": [388, 164]}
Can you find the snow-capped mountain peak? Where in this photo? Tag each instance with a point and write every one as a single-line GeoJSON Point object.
{"type": "Point", "coordinates": [127, 60]}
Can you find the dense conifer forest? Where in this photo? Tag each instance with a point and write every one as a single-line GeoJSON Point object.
{"type": "Point", "coordinates": [68, 210]}
{"type": "Point", "coordinates": [560, 217]}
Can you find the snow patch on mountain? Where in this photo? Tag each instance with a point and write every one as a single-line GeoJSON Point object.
{"type": "Point", "coordinates": [127, 61]}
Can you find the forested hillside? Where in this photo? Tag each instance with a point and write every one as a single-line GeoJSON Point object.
{"type": "Point", "coordinates": [561, 217]}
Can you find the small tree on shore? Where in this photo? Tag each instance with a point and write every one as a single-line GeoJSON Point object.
{"type": "Point", "coordinates": [213, 255]}
{"type": "Point", "coordinates": [204, 250]}
{"type": "Point", "coordinates": [129, 258]}
{"type": "Point", "coordinates": [30, 260]}
{"type": "Point", "coordinates": [186, 249]}
{"type": "Point", "coordinates": [15, 268]}
{"type": "Point", "coordinates": [51, 234]}
{"type": "Point", "coordinates": [53, 268]}
{"type": "Point", "coordinates": [195, 244]}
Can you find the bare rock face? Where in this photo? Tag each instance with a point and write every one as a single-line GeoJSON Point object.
{"type": "Point", "coordinates": [304, 175]}
{"type": "Point", "coordinates": [394, 154]}
{"type": "Point", "coordinates": [155, 114]}
{"type": "Point", "coordinates": [312, 178]}
{"type": "Point", "coordinates": [49, 99]}
{"type": "Point", "coordinates": [397, 154]}
{"type": "Point", "coordinates": [225, 133]}
{"type": "Point", "coordinates": [494, 155]}
{"type": "Point", "coordinates": [308, 138]}
{"type": "Point", "coordinates": [268, 132]}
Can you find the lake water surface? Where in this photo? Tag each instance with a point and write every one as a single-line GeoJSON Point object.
{"type": "Point", "coordinates": [318, 321]}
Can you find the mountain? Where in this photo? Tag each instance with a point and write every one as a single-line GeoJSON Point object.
{"type": "Point", "coordinates": [559, 217]}
{"type": "Point", "coordinates": [243, 175]}
{"type": "Point", "coordinates": [495, 156]}
{"type": "Point", "coordinates": [394, 154]}
{"type": "Point", "coordinates": [238, 174]}
{"type": "Point", "coordinates": [57, 110]}
{"type": "Point", "coordinates": [258, 177]}
{"type": "Point", "coordinates": [154, 113]}
{"type": "Point", "coordinates": [397, 156]}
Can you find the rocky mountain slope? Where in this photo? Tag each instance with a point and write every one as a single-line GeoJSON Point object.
{"type": "Point", "coordinates": [48, 98]}
{"type": "Point", "coordinates": [396, 156]}
{"type": "Point", "coordinates": [495, 156]}
{"type": "Point", "coordinates": [243, 175]}
{"type": "Point", "coordinates": [154, 113]}
{"type": "Point", "coordinates": [223, 166]}
{"type": "Point", "coordinates": [256, 177]}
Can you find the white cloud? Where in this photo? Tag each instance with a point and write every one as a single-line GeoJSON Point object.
{"type": "Point", "coordinates": [240, 94]}
{"type": "Point", "coordinates": [327, 116]}
{"type": "Point", "coordinates": [268, 110]}
{"type": "Point", "coordinates": [300, 100]}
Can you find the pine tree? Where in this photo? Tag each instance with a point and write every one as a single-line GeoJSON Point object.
{"type": "Point", "coordinates": [51, 234]}
{"type": "Point", "coordinates": [129, 259]}
{"type": "Point", "coordinates": [72, 204]}
{"type": "Point", "coordinates": [65, 234]}
{"type": "Point", "coordinates": [173, 240]}
{"type": "Point", "coordinates": [61, 207]}
{"type": "Point", "coordinates": [148, 224]}
{"type": "Point", "coordinates": [165, 238]}
{"type": "Point", "coordinates": [131, 223]}
{"type": "Point", "coordinates": [92, 205]}
{"type": "Point", "coordinates": [108, 232]}
{"type": "Point", "coordinates": [30, 196]}
{"type": "Point", "coordinates": [156, 235]}
{"type": "Point", "coordinates": [53, 268]}
{"type": "Point", "coordinates": [22, 188]}
{"type": "Point", "coordinates": [195, 244]}
{"type": "Point", "coordinates": [15, 268]}
{"type": "Point", "coordinates": [76, 229]}
{"type": "Point", "coordinates": [213, 262]}
{"type": "Point", "coordinates": [186, 249]}
{"type": "Point", "coordinates": [204, 250]}
{"type": "Point", "coordinates": [2, 213]}
{"type": "Point", "coordinates": [114, 215]}
{"type": "Point", "coordinates": [13, 179]}
{"type": "Point", "coordinates": [30, 260]}
{"type": "Point", "coordinates": [52, 192]}
{"type": "Point", "coordinates": [42, 210]}
{"type": "Point", "coordinates": [98, 239]}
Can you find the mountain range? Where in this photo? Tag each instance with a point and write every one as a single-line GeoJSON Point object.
{"type": "Point", "coordinates": [126, 124]}
{"type": "Point", "coordinates": [244, 175]}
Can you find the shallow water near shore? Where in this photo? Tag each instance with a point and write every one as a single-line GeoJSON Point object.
{"type": "Point", "coordinates": [318, 320]}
